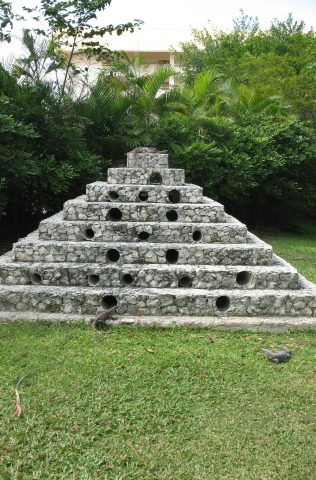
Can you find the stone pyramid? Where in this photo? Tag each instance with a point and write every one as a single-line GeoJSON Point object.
{"type": "Point", "coordinates": [154, 247]}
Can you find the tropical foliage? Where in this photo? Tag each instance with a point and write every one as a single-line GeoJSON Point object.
{"type": "Point", "coordinates": [240, 123]}
{"type": "Point", "coordinates": [281, 58]}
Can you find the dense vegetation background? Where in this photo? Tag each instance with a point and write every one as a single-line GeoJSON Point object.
{"type": "Point", "coordinates": [242, 123]}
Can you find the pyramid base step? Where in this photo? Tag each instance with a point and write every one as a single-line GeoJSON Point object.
{"type": "Point", "coordinates": [158, 302]}
{"type": "Point", "coordinates": [251, 324]}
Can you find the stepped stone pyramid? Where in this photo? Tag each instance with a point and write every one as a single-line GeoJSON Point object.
{"type": "Point", "coordinates": [154, 247]}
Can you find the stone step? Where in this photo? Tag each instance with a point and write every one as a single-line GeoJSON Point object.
{"type": "Point", "coordinates": [105, 192]}
{"type": "Point", "coordinates": [146, 176]}
{"type": "Point", "coordinates": [150, 157]}
{"type": "Point", "coordinates": [80, 209]}
{"type": "Point", "coordinates": [31, 249]}
{"type": "Point", "coordinates": [251, 324]}
{"type": "Point", "coordinates": [56, 228]}
{"type": "Point", "coordinates": [183, 302]}
{"type": "Point", "coordinates": [148, 276]}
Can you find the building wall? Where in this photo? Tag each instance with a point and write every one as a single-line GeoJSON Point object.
{"type": "Point", "coordinates": [156, 45]}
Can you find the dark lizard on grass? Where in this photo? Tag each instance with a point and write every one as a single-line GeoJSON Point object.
{"type": "Point", "coordinates": [102, 319]}
{"type": "Point", "coordinates": [279, 356]}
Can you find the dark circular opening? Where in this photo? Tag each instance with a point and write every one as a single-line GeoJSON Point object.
{"type": "Point", "coordinates": [112, 255]}
{"type": "Point", "coordinates": [197, 236]}
{"type": "Point", "coordinates": [172, 256]}
{"type": "Point", "coordinates": [155, 178]}
{"type": "Point", "coordinates": [113, 196]}
{"type": "Point", "coordinates": [223, 303]}
{"type": "Point", "coordinates": [127, 279]}
{"type": "Point", "coordinates": [88, 234]}
{"type": "Point", "coordinates": [174, 196]}
{"type": "Point", "coordinates": [36, 278]}
{"type": "Point", "coordinates": [243, 278]}
{"type": "Point", "coordinates": [108, 301]}
{"type": "Point", "coordinates": [114, 214]}
{"type": "Point", "coordinates": [172, 215]}
{"type": "Point", "coordinates": [93, 280]}
{"type": "Point", "coordinates": [143, 236]}
{"type": "Point", "coordinates": [185, 281]}
{"type": "Point", "coordinates": [143, 196]}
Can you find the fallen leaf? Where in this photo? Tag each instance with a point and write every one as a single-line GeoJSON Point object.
{"type": "Point", "coordinates": [149, 350]}
{"type": "Point", "coordinates": [211, 340]}
{"type": "Point", "coordinates": [18, 407]}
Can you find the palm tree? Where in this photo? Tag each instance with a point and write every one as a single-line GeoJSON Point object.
{"type": "Point", "coordinates": [38, 62]}
{"type": "Point", "coordinates": [125, 103]}
{"type": "Point", "coordinates": [200, 105]}
{"type": "Point", "coordinates": [240, 99]}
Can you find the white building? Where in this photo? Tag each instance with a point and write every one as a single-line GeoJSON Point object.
{"type": "Point", "coordinates": [156, 45]}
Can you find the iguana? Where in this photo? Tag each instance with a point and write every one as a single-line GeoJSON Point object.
{"type": "Point", "coordinates": [102, 318]}
{"type": "Point", "coordinates": [279, 356]}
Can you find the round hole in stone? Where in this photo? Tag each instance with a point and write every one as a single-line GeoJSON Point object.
{"type": "Point", "coordinates": [223, 303]}
{"type": "Point", "coordinates": [112, 255]}
{"type": "Point", "coordinates": [143, 236]}
{"type": "Point", "coordinates": [36, 278]}
{"type": "Point", "coordinates": [172, 215]}
{"type": "Point", "coordinates": [197, 236]}
{"type": "Point", "coordinates": [108, 301]}
{"type": "Point", "coordinates": [127, 279]}
{"type": "Point", "coordinates": [174, 196]}
{"type": "Point", "coordinates": [172, 256]}
{"type": "Point", "coordinates": [143, 196]}
{"type": "Point", "coordinates": [243, 278]}
{"type": "Point", "coordinates": [185, 281]}
{"type": "Point", "coordinates": [88, 234]}
{"type": "Point", "coordinates": [155, 178]}
{"type": "Point", "coordinates": [93, 280]}
{"type": "Point", "coordinates": [114, 214]}
{"type": "Point", "coordinates": [113, 196]}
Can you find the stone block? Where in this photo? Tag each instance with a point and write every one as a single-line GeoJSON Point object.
{"type": "Point", "coordinates": [106, 192]}
{"type": "Point", "coordinates": [80, 209]}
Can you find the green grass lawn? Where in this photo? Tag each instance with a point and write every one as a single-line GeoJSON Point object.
{"type": "Point", "coordinates": [298, 249]}
{"type": "Point", "coordinates": [155, 404]}
{"type": "Point", "coordinates": [160, 404]}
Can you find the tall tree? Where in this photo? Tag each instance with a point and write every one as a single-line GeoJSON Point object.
{"type": "Point", "coordinates": [280, 58]}
{"type": "Point", "coordinates": [70, 30]}
{"type": "Point", "coordinates": [6, 21]}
